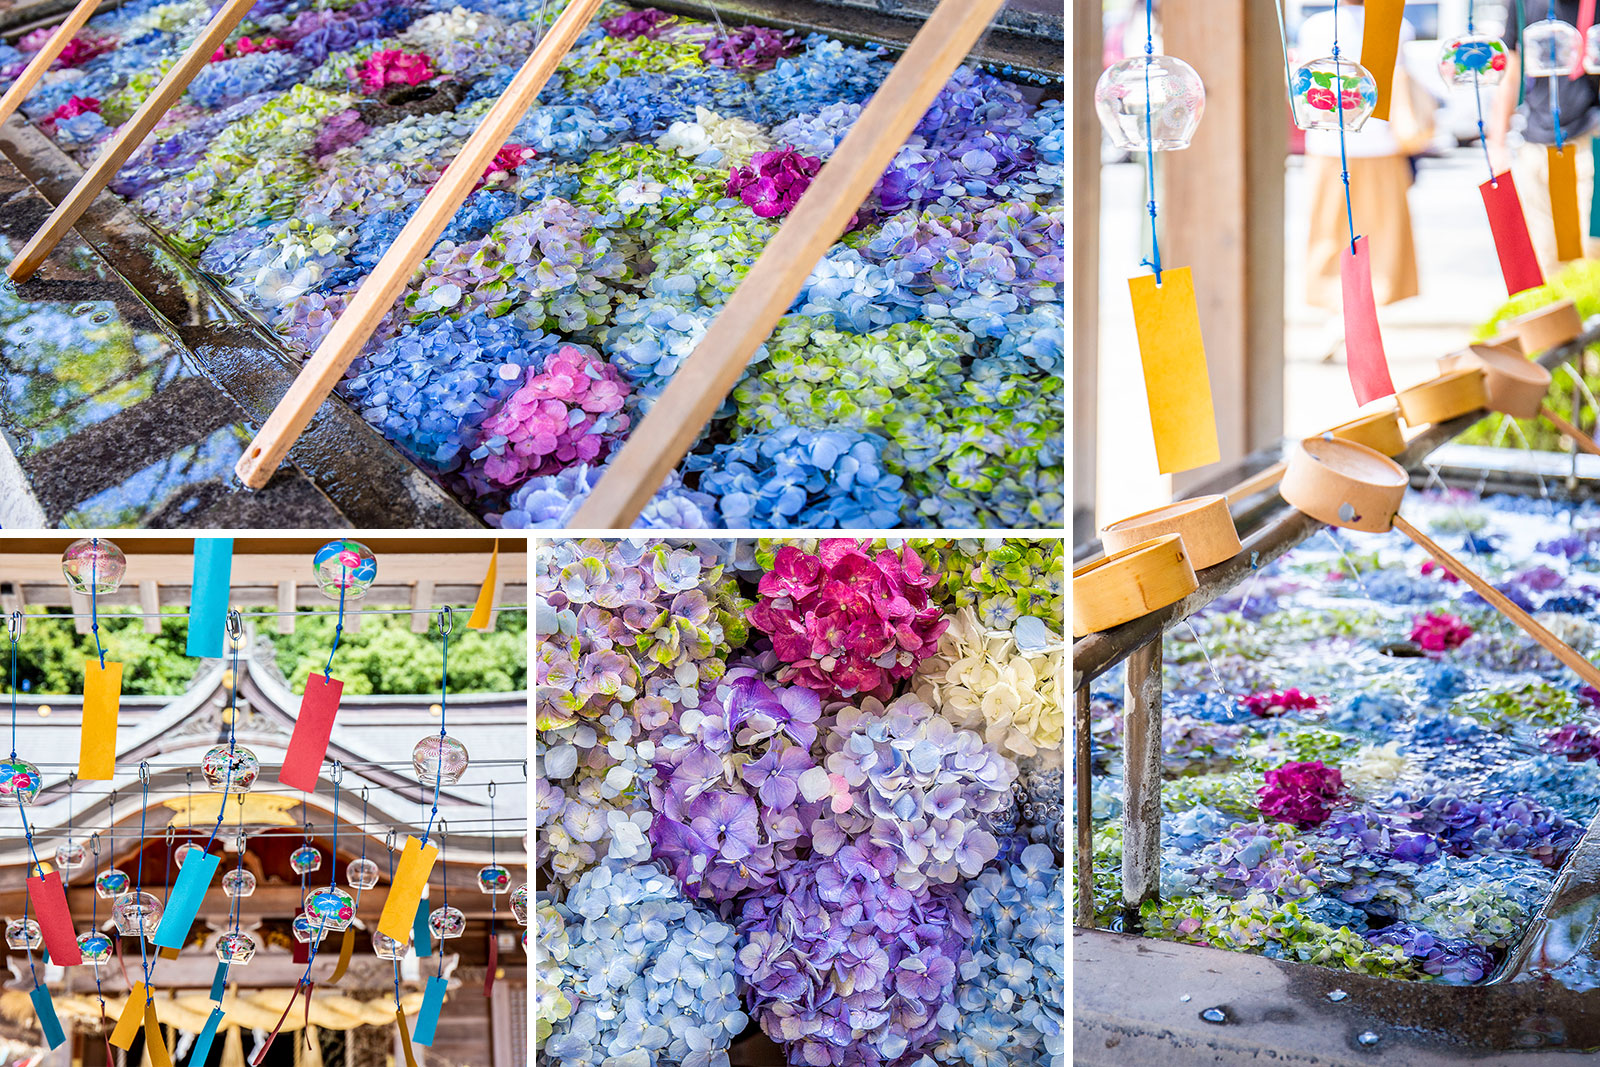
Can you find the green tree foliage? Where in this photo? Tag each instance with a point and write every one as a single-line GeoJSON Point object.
{"type": "Point", "coordinates": [51, 654]}
{"type": "Point", "coordinates": [386, 657]}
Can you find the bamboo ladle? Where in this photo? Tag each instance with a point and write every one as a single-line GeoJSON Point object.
{"type": "Point", "coordinates": [1379, 430]}
{"type": "Point", "coordinates": [1351, 486]}
{"type": "Point", "coordinates": [1517, 386]}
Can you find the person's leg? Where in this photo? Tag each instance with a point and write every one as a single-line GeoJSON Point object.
{"type": "Point", "coordinates": [1531, 171]}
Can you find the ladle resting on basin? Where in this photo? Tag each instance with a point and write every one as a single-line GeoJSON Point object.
{"type": "Point", "coordinates": [1379, 430]}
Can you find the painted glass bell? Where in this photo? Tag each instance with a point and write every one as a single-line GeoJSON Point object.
{"type": "Point", "coordinates": [70, 856]}
{"type": "Point", "coordinates": [347, 566]}
{"type": "Point", "coordinates": [1150, 102]}
{"type": "Point", "coordinates": [305, 859]}
{"type": "Point", "coordinates": [136, 914]}
{"type": "Point", "coordinates": [307, 929]}
{"type": "Point", "coordinates": [519, 903]}
{"type": "Point", "coordinates": [1550, 47]}
{"type": "Point", "coordinates": [111, 883]}
{"type": "Point", "coordinates": [1329, 94]}
{"type": "Point", "coordinates": [95, 947]}
{"type": "Point", "coordinates": [24, 934]}
{"type": "Point", "coordinates": [439, 759]}
{"type": "Point", "coordinates": [93, 561]}
{"type": "Point", "coordinates": [236, 948]}
{"type": "Point", "coordinates": [447, 921]}
{"type": "Point", "coordinates": [494, 879]}
{"type": "Point", "coordinates": [19, 783]}
{"type": "Point", "coordinates": [238, 883]}
{"type": "Point", "coordinates": [361, 874]}
{"type": "Point", "coordinates": [332, 907]}
{"type": "Point", "coordinates": [230, 773]}
{"type": "Point", "coordinates": [1472, 58]}
{"type": "Point", "coordinates": [387, 948]}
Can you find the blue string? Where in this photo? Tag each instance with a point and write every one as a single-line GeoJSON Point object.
{"type": "Point", "coordinates": [444, 706]}
{"type": "Point", "coordinates": [94, 600]}
{"type": "Point", "coordinates": [233, 717]}
{"type": "Point", "coordinates": [144, 802]}
{"type": "Point", "coordinates": [1154, 262]}
{"type": "Point", "coordinates": [333, 867]}
{"type": "Point", "coordinates": [1344, 161]}
{"type": "Point", "coordinates": [338, 626]}
{"type": "Point", "coordinates": [444, 894]}
{"type": "Point", "coordinates": [395, 962]}
{"type": "Point", "coordinates": [14, 693]}
{"type": "Point", "coordinates": [1477, 97]}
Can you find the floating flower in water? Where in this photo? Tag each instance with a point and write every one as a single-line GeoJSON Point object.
{"type": "Point", "coordinates": [773, 182]}
{"type": "Point", "coordinates": [75, 106]}
{"type": "Point", "coordinates": [751, 48]}
{"type": "Point", "coordinates": [1577, 741]}
{"type": "Point", "coordinates": [649, 22]}
{"type": "Point", "coordinates": [1439, 633]}
{"type": "Point", "coordinates": [244, 46]}
{"type": "Point", "coordinates": [391, 67]}
{"type": "Point", "coordinates": [1271, 705]}
{"type": "Point", "coordinates": [1301, 793]}
{"type": "Point", "coordinates": [1432, 567]}
{"type": "Point", "coordinates": [1457, 960]}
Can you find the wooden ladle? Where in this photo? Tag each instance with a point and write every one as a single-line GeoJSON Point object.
{"type": "Point", "coordinates": [1351, 486]}
{"type": "Point", "coordinates": [1516, 386]}
{"type": "Point", "coordinates": [1379, 430]}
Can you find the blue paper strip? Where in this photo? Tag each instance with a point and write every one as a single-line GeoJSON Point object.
{"type": "Point", "coordinates": [428, 1015]}
{"type": "Point", "coordinates": [421, 936]}
{"type": "Point", "coordinates": [208, 599]}
{"type": "Point", "coordinates": [45, 1008]}
{"type": "Point", "coordinates": [194, 878]}
{"type": "Point", "coordinates": [202, 1044]}
{"type": "Point", "coordinates": [219, 982]}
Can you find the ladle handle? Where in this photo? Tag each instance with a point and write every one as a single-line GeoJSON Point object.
{"type": "Point", "coordinates": [1579, 438]}
{"type": "Point", "coordinates": [1557, 647]}
{"type": "Point", "coordinates": [1257, 483]}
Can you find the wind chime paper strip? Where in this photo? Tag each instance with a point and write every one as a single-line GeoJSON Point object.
{"type": "Point", "coordinates": [485, 606]}
{"type": "Point", "coordinates": [428, 1014]}
{"type": "Point", "coordinates": [97, 738]}
{"type": "Point", "coordinates": [1363, 342]}
{"type": "Point", "coordinates": [45, 1009]}
{"type": "Point", "coordinates": [494, 965]}
{"type": "Point", "coordinates": [1564, 201]}
{"type": "Point", "coordinates": [1176, 382]}
{"type": "Point", "coordinates": [219, 985]}
{"type": "Point", "coordinates": [405, 890]}
{"type": "Point", "coordinates": [1509, 226]}
{"type": "Point", "coordinates": [1585, 20]}
{"type": "Point", "coordinates": [208, 598]}
{"type": "Point", "coordinates": [202, 1044]}
{"type": "Point", "coordinates": [154, 1044]}
{"type": "Point", "coordinates": [167, 954]}
{"type": "Point", "coordinates": [1380, 43]}
{"type": "Point", "coordinates": [183, 904]}
{"type": "Point", "coordinates": [131, 1019]}
{"type": "Point", "coordinates": [347, 947]}
{"type": "Point", "coordinates": [308, 745]}
{"type": "Point", "coordinates": [1594, 193]}
{"type": "Point", "coordinates": [421, 935]}
{"type": "Point", "coordinates": [405, 1038]}
{"type": "Point", "coordinates": [49, 900]}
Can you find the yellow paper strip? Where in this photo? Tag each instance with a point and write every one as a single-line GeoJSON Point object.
{"type": "Point", "coordinates": [97, 744]}
{"type": "Point", "coordinates": [1380, 44]}
{"type": "Point", "coordinates": [1176, 381]}
{"type": "Point", "coordinates": [405, 1037]}
{"type": "Point", "coordinates": [1564, 202]}
{"type": "Point", "coordinates": [485, 605]}
{"type": "Point", "coordinates": [347, 948]}
{"type": "Point", "coordinates": [405, 891]}
{"type": "Point", "coordinates": [155, 1046]}
{"type": "Point", "coordinates": [131, 1019]}
{"type": "Point", "coordinates": [168, 953]}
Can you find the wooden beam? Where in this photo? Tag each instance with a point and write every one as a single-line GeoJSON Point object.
{"type": "Point", "coordinates": [1222, 212]}
{"type": "Point", "coordinates": [1086, 57]}
{"type": "Point", "coordinates": [421, 600]}
{"type": "Point", "coordinates": [150, 604]}
{"type": "Point", "coordinates": [128, 139]}
{"type": "Point", "coordinates": [1141, 783]}
{"type": "Point", "coordinates": [352, 619]}
{"type": "Point", "coordinates": [704, 379]}
{"type": "Point", "coordinates": [287, 601]}
{"type": "Point", "coordinates": [45, 57]}
{"type": "Point", "coordinates": [383, 286]}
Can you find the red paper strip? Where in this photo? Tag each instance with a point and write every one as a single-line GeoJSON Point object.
{"type": "Point", "coordinates": [1585, 20]}
{"type": "Point", "coordinates": [308, 745]}
{"type": "Point", "coordinates": [49, 900]}
{"type": "Point", "coordinates": [1518, 262]}
{"type": "Point", "coordinates": [1363, 343]}
{"type": "Point", "coordinates": [494, 962]}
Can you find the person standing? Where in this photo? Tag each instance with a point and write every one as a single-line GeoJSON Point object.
{"type": "Point", "coordinates": [1579, 101]}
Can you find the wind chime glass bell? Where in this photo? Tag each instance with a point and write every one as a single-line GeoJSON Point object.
{"type": "Point", "coordinates": [24, 934]}
{"type": "Point", "coordinates": [1163, 116]}
{"type": "Point", "coordinates": [447, 921]}
{"type": "Point", "coordinates": [136, 914]}
{"type": "Point", "coordinates": [93, 560]}
{"type": "Point", "coordinates": [1330, 94]}
{"type": "Point", "coordinates": [70, 856]}
{"type": "Point", "coordinates": [345, 565]}
{"type": "Point", "coordinates": [111, 883]}
{"type": "Point", "coordinates": [332, 907]}
{"type": "Point", "coordinates": [1550, 47]}
{"type": "Point", "coordinates": [238, 883]}
{"type": "Point", "coordinates": [519, 903]}
{"type": "Point", "coordinates": [494, 880]}
{"type": "Point", "coordinates": [187, 852]}
{"type": "Point", "coordinates": [19, 782]}
{"type": "Point", "coordinates": [305, 859]}
{"type": "Point", "coordinates": [307, 929]}
{"type": "Point", "coordinates": [1591, 50]}
{"type": "Point", "coordinates": [225, 773]}
{"type": "Point", "coordinates": [1472, 58]}
{"type": "Point", "coordinates": [439, 759]}
{"type": "Point", "coordinates": [361, 874]}
{"type": "Point", "coordinates": [236, 948]}
{"type": "Point", "coordinates": [387, 948]}
{"type": "Point", "coordinates": [95, 947]}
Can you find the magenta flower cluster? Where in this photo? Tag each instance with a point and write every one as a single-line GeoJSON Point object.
{"type": "Point", "coordinates": [848, 968]}
{"type": "Point", "coordinates": [1301, 793]}
{"type": "Point", "coordinates": [1577, 741]}
{"type": "Point", "coordinates": [772, 183]}
{"type": "Point", "coordinates": [392, 67]}
{"type": "Point", "coordinates": [751, 48]}
{"type": "Point", "coordinates": [1439, 632]}
{"type": "Point", "coordinates": [845, 621]}
{"type": "Point", "coordinates": [75, 106]}
{"type": "Point", "coordinates": [650, 22]}
{"type": "Point", "coordinates": [570, 412]}
{"type": "Point", "coordinates": [1272, 704]}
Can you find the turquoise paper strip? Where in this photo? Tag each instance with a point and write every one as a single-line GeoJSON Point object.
{"type": "Point", "coordinates": [194, 878]}
{"type": "Point", "coordinates": [202, 1044]}
{"type": "Point", "coordinates": [421, 936]}
{"type": "Point", "coordinates": [208, 600]}
{"type": "Point", "coordinates": [45, 1008]}
{"type": "Point", "coordinates": [219, 982]}
{"type": "Point", "coordinates": [428, 1015]}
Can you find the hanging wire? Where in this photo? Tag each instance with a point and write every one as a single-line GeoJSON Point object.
{"type": "Point", "coordinates": [446, 624]}
{"type": "Point", "coordinates": [494, 898]}
{"type": "Point", "coordinates": [234, 900]}
{"type": "Point", "coordinates": [333, 872]}
{"type": "Point", "coordinates": [338, 627]}
{"type": "Point", "coordinates": [1344, 159]}
{"type": "Point", "coordinates": [94, 920]}
{"type": "Point", "coordinates": [14, 628]}
{"type": "Point", "coordinates": [1154, 262]}
{"type": "Point", "coordinates": [144, 956]}
{"type": "Point", "coordinates": [235, 630]}
{"type": "Point", "coordinates": [1477, 97]}
{"type": "Point", "coordinates": [94, 600]}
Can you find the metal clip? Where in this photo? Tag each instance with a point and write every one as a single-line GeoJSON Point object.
{"type": "Point", "coordinates": [388, 839]}
{"type": "Point", "coordinates": [94, 844]}
{"type": "Point", "coordinates": [337, 777]}
{"type": "Point", "coordinates": [144, 771]}
{"type": "Point", "coordinates": [171, 834]}
{"type": "Point", "coordinates": [491, 789]}
{"type": "Point", "coordinates": [446, 620]}
{"type": "Point", "coordinates": [235, 624]}
{"type": "Point", "coordinates": [14, 626]}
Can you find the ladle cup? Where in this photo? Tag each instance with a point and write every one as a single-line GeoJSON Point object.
{"type": "Point", "coordinates": [1204, 523]}
{"type": "Point", "coordinates": [1516, 386]}
{"type": "Point", "coordinates": [1379, 430]}
{"type": "Point", "coordinates": [1354, 487]}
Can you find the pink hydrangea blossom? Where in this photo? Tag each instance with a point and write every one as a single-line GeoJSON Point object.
{"type": "Point", "coordinates": [568, 413]}
{"type": "Point", "coordinates": [1439, 633]}
{"type": "Point", "coordinates": [773, 182]}
{"type": "Point", "coordinates": [1301, 793]}
{"type": "Point", "coordinates": [1431, 567]}
{"type": "Point", "coordinates": [75, 106]}
{"type": "Point", "coordinates": [80, 50]}
{"type": "Point", "coordinates": [244, 46]}
{"type": "Point", "coordinates": [1271, 704]}
{"type": "Point", "coordinates": [649, 23]}
{"type": "Point", "coordinates": [392, 67]}
{"type": "Point", "coordinates": [507, 160]}
{"type": "Point", "coordinates": [845, 621]}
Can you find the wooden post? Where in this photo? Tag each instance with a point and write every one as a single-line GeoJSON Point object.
{"type": "Point", "coordinates": [81, 608]}
{"type": "Point", "coordinates": [378, 292]}
{"type": "Point", "coordinates": [1141, 779]}
{"type": "Point", "coordinates": [132, 135]}
{"type": "Point", "coordinates": [817, 221]}
{"type": "Point", "coordinates": [287, 601]}
{"type": "Point", "coordinates": [1086, 53]}
{"type": "Point", "coordinates": [1083, 775]}
{"type": "Point", "coordinates": [1222, 212]}
{"type": "Point", "coordinates": [421, 600]}
{"type": "Point", "coordinates": [150, 604]}
{"type": "Point", "coordinates": [43, 58]}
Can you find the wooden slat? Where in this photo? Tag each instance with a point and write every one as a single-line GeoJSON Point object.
{"type": "Point", "coordinates": [422, 600]}
{"type": "Point", "coordinates": [127, 141]}
{"type": "Point", "coordinates": [80, 610]}
{"type": "Point", "coordinates": [383, 286]}
{"type": "Point", "coordinates": [352, 619]}
{"type": "Point", "coordinates": [817, 221]}
{"type": "Point", "coordinates": [150, 604]}
{"type": "Point", "coordinates": [45, 57]}
{"type": "Point", "coordinates": [287, 601]}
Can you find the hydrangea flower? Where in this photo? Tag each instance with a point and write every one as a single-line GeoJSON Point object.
{"type": "Point", "coordinates": [750, 48]}
{"type": "Point", "coordinates": [1301, 793]}
{"type": "Point", "coordinates": [550, 503]}
{"type": "Point", "coordinates": [798, 477]}
{"type": "Point", "coordinates": [773, 182]}
{"type": "Point", "coordinates": [1271, 705]}
{"type": "Point", "coordinates": [845, 621]}
{"type": "Point", "coordinates": [1439, 632]}
{"type": "Point", "coordinates": [983, 682]}
{"type": "Point", "coordinates": [391, 67]}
